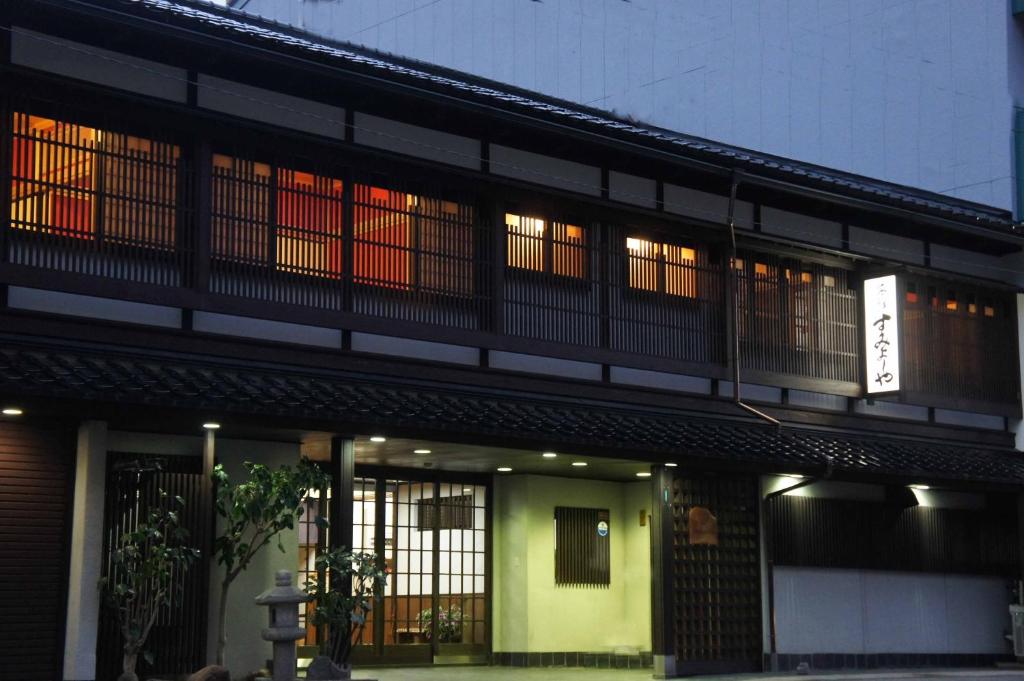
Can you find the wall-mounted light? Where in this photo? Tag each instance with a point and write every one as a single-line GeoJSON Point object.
{"type": "Point", "coordinates": [643, 474]}
{"type": "Point", "coordinates": [579, 464]}
{"type": "Point", "coordinates": [921, 487]}
{"type": "Point", "coordinates": [671, 464]}
{"type": "Point", "coordinates": [211, 425]}
{"type": "Point", "coordinates": [793, 476]}
{"type": "Point", "coordinates": [421, 451]}
{"type": "Point", "coordinates": [549, 455]}
{"type": "Point", "coordinates": [504, 469]}
{"type": "Point", "coordinates": [12, 411]}
{"type": "Point", "coordinates": [378, 438]}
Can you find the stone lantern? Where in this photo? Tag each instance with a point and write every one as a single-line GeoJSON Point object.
{"type": "Point", "coordinates": [284, 630]}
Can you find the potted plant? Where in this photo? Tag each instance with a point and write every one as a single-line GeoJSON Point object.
{"type": "Point", "coordinates": [144, 577]}
{"type": "Point", "coordinates": [449, 624]}
{"type": "Point", "coordinates": [254, 513]}
{"type": "Point", "coordinates": [341, 608]}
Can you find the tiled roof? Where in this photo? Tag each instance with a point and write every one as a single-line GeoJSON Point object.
{"type": "Point", "coordinates": [352, 401]}
{"type": "Point", "coordinates": [252, 30]}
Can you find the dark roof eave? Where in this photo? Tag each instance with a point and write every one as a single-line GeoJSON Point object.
{"type": "Point", "coordinates": [142, 378]}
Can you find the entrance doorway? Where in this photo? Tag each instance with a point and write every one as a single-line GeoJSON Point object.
{"type": "Point", "coordinates": [432, 532]}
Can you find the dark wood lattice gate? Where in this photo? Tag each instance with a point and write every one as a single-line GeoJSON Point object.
{"type": "Point", "coordinates": [717, 574]}
{"type": "Point", "coordinates": [178, 638]}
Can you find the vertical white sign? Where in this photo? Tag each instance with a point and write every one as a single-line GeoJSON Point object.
{"type": "Point", "coordinates": [881, 335]}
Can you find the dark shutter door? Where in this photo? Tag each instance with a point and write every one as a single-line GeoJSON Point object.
{"type": "Point", "coordinates": [35, 475]}
{"type": "Point", "coordinates": [718, 577]}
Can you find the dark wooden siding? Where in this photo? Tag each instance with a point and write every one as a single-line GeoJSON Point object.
{"type": "Point", "coordinates": [35, 495]}
{"type": "Point", "coordinates": [960, 341]}
{"type": "Point", "coordinates": [836, 533]}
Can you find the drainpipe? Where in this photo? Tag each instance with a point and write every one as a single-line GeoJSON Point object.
{"type": "Point", "coordinates": [735, 309]}
{"type": "Point", "coordinates": [769, 559]}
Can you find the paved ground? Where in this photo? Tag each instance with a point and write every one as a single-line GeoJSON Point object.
{"type": "Point", "coordinates": [580, 674]}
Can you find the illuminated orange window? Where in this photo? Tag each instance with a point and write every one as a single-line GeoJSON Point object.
{"type": "Point", "coordinates": [540, 245]}
{"type": "Point", "coordinates": [739, 264]}
{"type": "Point", "coordinates": [664, 268]}
{"type": "Point", "coordinates": [525, 242]}
{"type": "Point", "coordinates": [990, 310]}
{"type": "Point", "coordinates": [73, 180]}
{"type": "Point", "coordinates": [383, 236]}
{"type": "Point", "coordinates": [762, 270]}
{"type": "Point", "coordinates": [567, 250]}
{"type": "Point", "coordinates": [309, 223]}
{"type": "Point", "coordinates": [912, 296]}
{"type": "Point", "coordinates": [951, 303]}
{"type": "Point", "coordinates": [406, 241]}
{"type": "Point", "coordinates": [303, 236]}
{"type": "Point", "coordinates": [828, 281]}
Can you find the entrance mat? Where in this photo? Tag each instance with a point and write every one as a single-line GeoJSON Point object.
{"type": "Point", "coordinates": [594, 660]}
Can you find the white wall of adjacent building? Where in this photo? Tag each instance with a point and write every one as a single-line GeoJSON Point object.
{"type": "Point", "coordinates": [920, 92]}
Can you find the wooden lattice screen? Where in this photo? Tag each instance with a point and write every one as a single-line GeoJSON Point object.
{"type": "Point", "coordinates": [582, 547]}
{"type": "Point", "coordinates": [178, 638]}
{"type": "Point", "coordinates": [717, 586]}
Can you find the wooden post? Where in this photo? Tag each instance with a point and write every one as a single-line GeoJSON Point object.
{"type": "Point", "coordinates": [663, 633]}
{"type": "Point", "coordinates": [343, 458]}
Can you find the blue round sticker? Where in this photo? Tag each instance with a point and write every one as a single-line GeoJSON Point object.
{"type": "Point", "coordinates": [602, 529]}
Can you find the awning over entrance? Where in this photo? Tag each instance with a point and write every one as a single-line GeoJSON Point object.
{"type": "Point", "coordinates": [228, 386]}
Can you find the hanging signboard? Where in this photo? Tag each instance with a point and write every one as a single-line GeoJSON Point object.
{"type": "Point", "coordinates": [881, 335]}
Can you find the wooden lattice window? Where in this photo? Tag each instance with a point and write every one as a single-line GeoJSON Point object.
{"type": "Point", "coordinates": [582, 547]}
{"type": "Point", "coordinates": [456, 513]}
{"type": "Point", "coordinates": [662, 267]}
{"type": "Point", "coordinates": [545, 246]}
{"type": "Point", "coordinates": [73, 180]}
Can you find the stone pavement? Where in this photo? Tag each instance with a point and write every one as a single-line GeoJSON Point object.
{"type": "Point", "coordinates": [471, 673]}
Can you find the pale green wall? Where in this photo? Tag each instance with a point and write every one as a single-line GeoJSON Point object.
{"type": "Point", "coordinates": [246, 651]}
{"type": "Point", "coordinates": [531, 614]}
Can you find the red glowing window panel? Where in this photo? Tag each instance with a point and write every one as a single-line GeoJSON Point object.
{"type": "Point", "coordinates": [384, 221]}
{"type": "Point", "coordinates": [309, 224]}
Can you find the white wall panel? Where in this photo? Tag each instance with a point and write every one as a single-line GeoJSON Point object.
{"type": "Point", "coordinates": [545, 170]}
{"type": "Point", "coordinates": [414, 140]}
{"type": "Point", "coordinates": [96, 65]}
{"type": "Point", "coordinates": [275, 108]}
{"type": "Point", "coordinates": [822, 610]}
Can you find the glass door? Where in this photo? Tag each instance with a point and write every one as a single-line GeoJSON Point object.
{"type": "Point", "coordinates": [432, 536]}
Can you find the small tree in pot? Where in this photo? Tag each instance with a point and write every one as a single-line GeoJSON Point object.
{"type": "Point", "coordinates": [145, 573]}
{"type": "Point", "coordinates": [254, 513]}
{"type": "Point", "coordinates": [342, 610]}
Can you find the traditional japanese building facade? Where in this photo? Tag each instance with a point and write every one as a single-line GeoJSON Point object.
{"type": "Point", "coordinates": [596, 393]}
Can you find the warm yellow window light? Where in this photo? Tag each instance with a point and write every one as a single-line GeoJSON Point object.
{"type": "Point", "coordinates": [665, 268]}
{"type": "Point", "coordinates": [527, 244]}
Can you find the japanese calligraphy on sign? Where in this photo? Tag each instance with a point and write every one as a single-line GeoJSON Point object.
{"type": "Point", "coordinates": [881, 335]}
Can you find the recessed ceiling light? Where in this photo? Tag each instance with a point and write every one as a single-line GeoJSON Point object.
{"type": "Point", "coordinates": [920, 487]}
{"type": "Point", "coordinates": [211, 425]}
{"type": "Point", "coordinates": [643, 474]}
{"type": "Point", "coordinates": [12, 411]}
{"type": "Point", "coordinates": [549, 455]}
{"type": "Point", "coordinates": [421, 451]}
{"type": "Point", "coordinates": [504, 469]}
{"type": "Point", "coordinates": [378, 438]}
{"type": "Point", "coordinates": [579, 463]}
{"type": "Point", "coordinates": [671, 464]}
